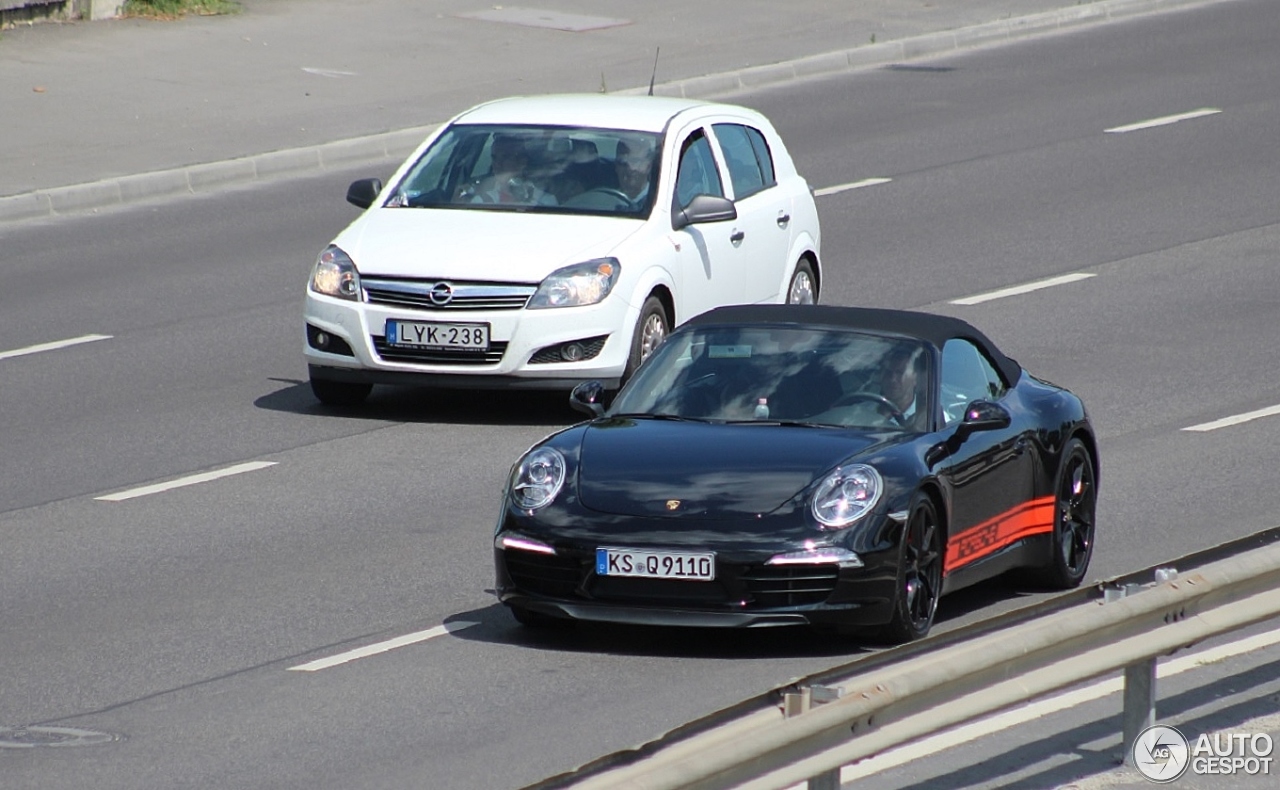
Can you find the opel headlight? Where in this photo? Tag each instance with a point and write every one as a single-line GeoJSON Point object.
{"type": "Point", "coordinates": [335, 275]}
{"type": "Point", "coordinates": [537, 479]}
{"type": "Point", "coordinates": [846, 495]}
{"type": "Point", "coordinates": [577, 285]}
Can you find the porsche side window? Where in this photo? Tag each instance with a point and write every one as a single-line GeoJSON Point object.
{"type": "Point", "coordinates": [697, 174]}
{"type": "Point", "coordinates": [747, 155]}
{"type": "Point", "coordinates": [967, 376]}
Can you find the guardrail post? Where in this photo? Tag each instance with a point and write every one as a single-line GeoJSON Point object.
{"type": "Point", "coordinates": [796, 702]}
{"type": "Point", "coordinates": [1139, 679]}
{"type": "Point", "coordinates": [1139, 703]}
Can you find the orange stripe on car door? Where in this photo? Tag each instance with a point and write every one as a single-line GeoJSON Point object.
{"type": "Point", "coordinates": [1029, 518]}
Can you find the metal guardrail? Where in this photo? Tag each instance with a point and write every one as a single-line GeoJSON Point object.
{"type": "Point", "coordinates": [808, 730]}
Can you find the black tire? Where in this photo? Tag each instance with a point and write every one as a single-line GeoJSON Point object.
{"type": "Point", "coordinates": [652, 328]}
{"type": "Point", "coordinates": [919, 574]}
{"type": "Point", "coordinates": [1075, 506]}
{"type": "Point", "coordinates": [340, 393]}
{"type": "Point", "coordinates": [803, 288]}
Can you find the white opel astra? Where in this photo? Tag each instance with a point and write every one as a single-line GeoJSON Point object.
{"type": "Point", "coordinates": [543, 241]}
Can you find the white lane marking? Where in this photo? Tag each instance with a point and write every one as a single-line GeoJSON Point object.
{"type": "Point", "coordinates": [75, 341]}
{"type": "Point", "coordinates": [866, 182]}
{"type": "Point", "coordinates": [382, 647]}
{"type": "Point", "coordinates": [1165, 121]}
{"type": "Point", "coordinates": [1226, 422]}
{"type": "Point", "coordinates": [966, 733]}
{"type": "Point", "coordinates": [1022, 289]}
{"type": "Point", "coordinates": [331, 73]}
{"type": "Point", "coordinates": [203, 477]}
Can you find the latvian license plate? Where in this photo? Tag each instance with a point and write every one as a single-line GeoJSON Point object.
{"type": "Point", "coordinates": [689, 566]}
{"type": "Point", "coordinates": [420, 334]}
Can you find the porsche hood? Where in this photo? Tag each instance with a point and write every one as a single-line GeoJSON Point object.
{"type": "Point", "coordinates": [658, 468]}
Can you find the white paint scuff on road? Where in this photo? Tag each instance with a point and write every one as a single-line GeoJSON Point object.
{"type": "Point", "coordinates": [866, 182]}
{"type": "Point", "coordinates": [1227, 422]}
{"type": "Point", "coordinates": [1165, 121]}
{"type": "Point", "coordinates": [191, 480]}
{"type": "Point", "coordinates": [57, 344]}
{"type": "Point", "coordinates": [382, 647]}
{"type": "Point", "coordinates": [1022, 289]}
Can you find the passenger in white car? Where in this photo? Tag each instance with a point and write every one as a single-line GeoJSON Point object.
{"type": "Point", "coordinates": [508, 182]}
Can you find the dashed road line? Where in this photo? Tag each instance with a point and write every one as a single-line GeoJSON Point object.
{"type": "Point", "coordinates": [57, 344]}
{"type": "Point", "coordinates": [382, 647]}
{"type": "Point", "coordinates": [866, 182]}
{"type": "Point", "coordinates": [190, 480]}
{"type": "Point", "coordinates": [1022, 289]}
{"type": "Point", "coordinates": [1227, 422]}
{"type": "Point", "coordinates": [1165, 121]}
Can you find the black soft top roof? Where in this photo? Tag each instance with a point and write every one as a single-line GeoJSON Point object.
{"type": "Point", "coordinates": [929, 327]}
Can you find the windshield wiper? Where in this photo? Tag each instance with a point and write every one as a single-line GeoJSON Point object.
{"type": "Point", "coordinates": [786, 423]}
{"type": "Point", "coordinates": [644, 415]}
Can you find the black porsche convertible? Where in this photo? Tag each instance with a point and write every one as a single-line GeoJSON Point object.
{"type": "Point", "coordinates": [771, 465]}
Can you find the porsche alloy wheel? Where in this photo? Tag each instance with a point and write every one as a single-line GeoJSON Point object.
{"type": "Point", "coordinates": [1076, 499]}
{"type": "Point", "coordinates": [804, 286]}
{"type": "Point", "coordinates": [919, 574]}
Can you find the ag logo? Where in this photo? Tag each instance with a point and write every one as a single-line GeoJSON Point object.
{"type": "Point", "coordinates": [1161, 753]}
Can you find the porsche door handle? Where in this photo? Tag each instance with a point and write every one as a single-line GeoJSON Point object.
{"type": "Point", "coordinates": [737, 236]}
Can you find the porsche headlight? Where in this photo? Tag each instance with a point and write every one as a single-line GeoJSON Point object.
{"type": "Point", "coordinates": [577, 285]}
{"type": "Point", "coordinates": [846, 495]}
{"type": "Point", "coordinates": [335, 275]}
{"type": "Point", "coordinates": [537, 479]}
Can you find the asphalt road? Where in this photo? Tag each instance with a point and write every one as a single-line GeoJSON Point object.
{"type": "Point", "coordinates": [172, 621]}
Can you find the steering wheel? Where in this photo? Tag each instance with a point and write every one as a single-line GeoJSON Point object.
{"type": "Point", "coordinates": [611, 192]}
{"type": "Point", "coordinates": [690, 398]}
{"type": "Point", "coordinates": [879, 400]}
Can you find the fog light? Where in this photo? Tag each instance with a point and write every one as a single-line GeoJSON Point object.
{"type": "Point", "coordinates": [572, 352]}
{"type": "Point", "coordinates": [322, 340]}
{"type": "Point", "coordinates": [818, 556]}
{"type": "Point", "coordinates": [513, 540]}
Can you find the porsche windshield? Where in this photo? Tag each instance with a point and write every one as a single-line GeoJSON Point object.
{"type": "Point", "coordinates": [784, 374]}
{"type": "Point", "coordinates": [550, 169]}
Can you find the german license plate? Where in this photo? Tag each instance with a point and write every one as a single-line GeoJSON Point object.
{"type": "Point", "coordinates": [421, 334]}
{"type": "Point", "coordinates": [689, 566]}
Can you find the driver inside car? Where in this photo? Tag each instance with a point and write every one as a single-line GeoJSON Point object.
{"type": "Point", "coordinates": [901, 372]}
{"type": "Point", "coordinates": [633, 165]}
{"type": "Point", "coordinates": [890, 395]}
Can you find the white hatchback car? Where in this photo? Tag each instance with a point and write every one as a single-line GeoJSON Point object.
{"type": "Point", "coordinates": [544, 241]}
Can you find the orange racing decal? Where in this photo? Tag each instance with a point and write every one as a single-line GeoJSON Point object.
{"type": "Point", "coordinates": [1029, 518]}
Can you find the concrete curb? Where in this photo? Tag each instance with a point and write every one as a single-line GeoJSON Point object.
{"type": "Point", "coordinates": [216, 176]}
{"type": "Point", "coordinates": [210, 177]}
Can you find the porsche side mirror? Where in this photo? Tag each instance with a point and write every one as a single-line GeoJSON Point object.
{"type": "Point", "coordinates": [703, 208]}
{"type": "Point", "coordinates": [362, 193]}
{"type": "Point", "coordinates": [982, 415]}
{"type": "Point", "coordinates": [587, 397]}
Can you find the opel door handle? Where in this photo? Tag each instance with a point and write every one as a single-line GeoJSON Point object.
{"type": "Point", "coordinates": [737, 236]}
{"type": "Point", "coordinates": [784, 220]}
